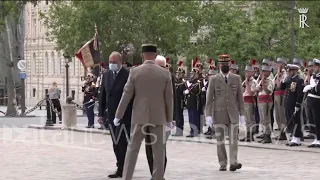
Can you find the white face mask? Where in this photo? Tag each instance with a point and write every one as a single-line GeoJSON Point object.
{"type": "Point", "coordinates": [113, 67]}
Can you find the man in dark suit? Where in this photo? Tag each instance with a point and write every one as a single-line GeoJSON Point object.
{"type": "Point", "coordinates": [111, 90]}
{"type": "Point", "coordinates": [160, 61]}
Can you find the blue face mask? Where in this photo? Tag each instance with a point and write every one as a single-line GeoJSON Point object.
{"type": "Point", "coordinates": [113, 67]}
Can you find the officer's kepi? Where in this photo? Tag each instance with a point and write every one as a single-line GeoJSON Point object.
{"type": "Point", "coordinates": [293, 67]}
{"type": "Point", "coordinates": [316, 62]}
{"type": "Point", "coordinates": [149, 48]}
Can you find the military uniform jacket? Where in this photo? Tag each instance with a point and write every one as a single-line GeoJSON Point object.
{"type": "Point", "coordinates": [180, 87]}
{"type": "Point", "coordinates": [193, 97]}
{"type": "Point", "coordinates": [315, 91]}
{"type": "Point", "coordinates": [294, 91]}
{"type": "Point", "coordinates": [224, 101]}
{"type": "Point", "coordinates": [89, 90]}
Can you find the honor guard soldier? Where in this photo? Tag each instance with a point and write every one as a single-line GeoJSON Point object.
{"type": "Point", "coordinates": [200, 103]}
{"type": "Point", "coordinates": [180, 87]}
{"type": "Point", "coordinates": [250, 85]}
{"type": "Point", "coordinates": [256, 76]}
{"type": "Point", "coordinates": [293, 85]}
{"type": "Point", "coordinates": [313, 100]}
{"type": "Point", "coordinates": [309, 124]}
{"type": "Point", "coordinates": [279, 98]}
{"type": "Point", "coordinates": [268, 62]}
{"type": "Point", "coordinates": [256, 69]}
{"type": "Point", "coordinates": [224, 104]}
{"type": "Point", "coordinates": [265, 88]}
{"type": "Point", "coordinates": [89, 89]}
{"type": "Point", "coordinates": [192, 93]}
{"type": "Point", "coordinates": [234, 68]}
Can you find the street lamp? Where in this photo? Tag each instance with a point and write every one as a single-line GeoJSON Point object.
{"type": "Point", "coordinates": [67, 59]}
{"type": "Point", "coordinates": [292, 7]}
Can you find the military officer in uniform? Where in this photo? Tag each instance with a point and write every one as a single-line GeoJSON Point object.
{"type": "Point", "coordinates": [224, 104]}
{"type": "Point", "coordinates": [193, 94]}
{"type": "Point", "coordinates": [265, 88]}
{"type": "Point", "coordinates": [180, 87]}
{"type": "Point", "coordinates": [89, 89]}
{"type": "Point", "coordinates": [293, 85]}
{"type": "Point", "coordinates": [256, 76]}
{"type": "Point", "coordinates": [310, 124]}
{"type": "Point", "coordinates": [201, 81]}
{"type": "Point", "coordinates": [313, 101]}
{"type": "Point", "coordinates": [250, 85]}
{"type": "Point", "coordinates": [279, 98]}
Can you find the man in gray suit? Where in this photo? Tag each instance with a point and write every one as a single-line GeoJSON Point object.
{"type": "Point", "coordinates": [152, 111]}
{"type": "Point", "coordinates": [223, 106]}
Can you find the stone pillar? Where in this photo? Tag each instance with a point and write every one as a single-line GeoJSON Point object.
{"type": "Point", "coordinates": [69, 115]}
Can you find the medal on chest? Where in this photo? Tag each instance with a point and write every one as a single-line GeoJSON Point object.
{"type": "Point", "coordinates": [293, 86]}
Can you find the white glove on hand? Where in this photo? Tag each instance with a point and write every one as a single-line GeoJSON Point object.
{"type": "Point", "coordinates": [84, 83]}
{"type": "Point", "coordinates": [242, 120]}
{"type": "Point", "coordinates": [204, 89]}
{"type": "Point", "coordinates": [91, 100]}
{"type": "Point", "coordinates": [296, 109]}
{"type": "Point", "coordinates": [168, 126]}
{"type": "Point", "coordinates": [205, 83]}
{"type": "Point", "coordinates": [116, 122]}
{"type": "Point", "coordinates": [186, 91]}
{"type": "Point", "coordinates": [209, 121]}
{"type": "Point", "coordinates": [307, 88]}
{"type": "Point", "coordinates": [188, 84]}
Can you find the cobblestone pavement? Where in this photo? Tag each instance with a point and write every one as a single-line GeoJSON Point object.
{"type": "Point", "coordinates": [31, 154]}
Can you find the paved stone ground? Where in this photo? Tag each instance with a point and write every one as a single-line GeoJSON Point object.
{"type": "Point", "coordinates": [30, 154]}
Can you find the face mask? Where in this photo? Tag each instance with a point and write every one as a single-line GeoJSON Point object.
{"type": "Point", "coordinates": [113, 67]}
{"type": "Point", "coordinates": [225, 69]}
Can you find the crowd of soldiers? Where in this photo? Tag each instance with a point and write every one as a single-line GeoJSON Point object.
{"type": "Point", "coordinates": [291, 97]}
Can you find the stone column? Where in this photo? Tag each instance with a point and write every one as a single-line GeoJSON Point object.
{"type": "Point", "coordinates": [69, 114]}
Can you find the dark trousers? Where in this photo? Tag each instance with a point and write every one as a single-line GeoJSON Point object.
{"type": "Point", "coordinates": [56, 105]}
{"type": "Point", "coordinates": [312, 125]}
{"type": "Point", "coordinates": [294, 123]}
{"type": "Point", "coordinates": [149, 151]}
{"type": "Point", "coordinates": [314, 106]}
{"type": "Point", "coordinates": [272, 116]}
{"type": "Point", "coordinates": [179, 121]}
{"type": "Point", "coordinates": [194, 121]}
{"type": "Point", "coordinates": [90, 113]}
{"type": "Point", "coordinates": [257, 117]}
{"type": "Point", "coordinates": [120, 143]}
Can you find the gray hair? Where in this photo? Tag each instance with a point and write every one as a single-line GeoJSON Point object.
{"type": "Point", "coordinates": [160, 60]}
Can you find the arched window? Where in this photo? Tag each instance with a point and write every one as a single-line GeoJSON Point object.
{"type": "Point", "coordinates": [33, 64]}
{"type": "Point", "coordinates": [46, 64]}
{"type": "Point", "coordinates": [53, 63]}
{"type": "Point", "coordinates": [59, 64]}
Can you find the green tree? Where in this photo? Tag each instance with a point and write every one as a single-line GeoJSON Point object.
{"type": "Point", "coordinates": [165, 23]}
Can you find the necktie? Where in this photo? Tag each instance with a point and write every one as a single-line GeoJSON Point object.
{"type": "Point", "coordinates": [114, 76]}
{"type": "Point", "coordinates": [226, 79]}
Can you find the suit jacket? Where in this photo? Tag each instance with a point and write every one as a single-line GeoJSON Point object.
{"type": "Point", "coordinates": [111, 93]}
{"type": "Point", "coordinates": [151, 87]}
{"type": "Point", "coordinates": [224, 102]}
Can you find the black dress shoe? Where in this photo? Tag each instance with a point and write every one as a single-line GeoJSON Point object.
{"type": "Point", "coordinates": [117, 174]}
{"type": "Point", "coordinates": [312, 146]}
{"type": "Point", "coordinates": [92, 126]}
{"type": "Point", "coordinates": [308, 137]}
{"type": "Point", "coordinates": [222, 168]}
{"type": "Point", "coordinates": [211, 137]}
{"type": "Point", "coordinates": [291, 144]}
{"type": "Point", "coordinates": [261, 136]}
{"type": "Point", "coordinates": [234, 167]}
{"type": "Point", "coordinates": [190, 136]}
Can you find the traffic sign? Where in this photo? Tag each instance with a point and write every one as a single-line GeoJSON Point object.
{"type": "Point", "coordinates": [22, 65]}
{"type": "Point", "coordinates": [23, 75]}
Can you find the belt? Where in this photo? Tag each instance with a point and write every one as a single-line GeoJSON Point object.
{"type": "Point", "coordinates": [248, 99]}
{"type": "Point", "coordinates": [279, 92]}
{"type": "Point", "coordinates": [264, 99]}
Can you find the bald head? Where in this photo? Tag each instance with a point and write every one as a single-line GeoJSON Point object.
{"type": "Point", "coordinates": [160, 61]}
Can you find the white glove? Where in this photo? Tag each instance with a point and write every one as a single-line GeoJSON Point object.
{"type": "Point", "coordinates": [205, 83]}
{"type": "Point", "coordinates": [116, 122]}
{"type": "Point", "coordinates": [168, 126]}
{"type": "Point", "coordinates": [204, 89]}
{"type": "Point", "coordinates": [307, 88]}
{"type": "Point", "coordinates": [84, 83]}
{"type": "Point", "coordinates": [296, 109]}
{"type": "Point", "coordinates": [188, 84]}
{"type": "Point", "coordinates": [91, 100]}
{"type": "Point", "coordinates": [242, 120]}
{"type": "Point", "coordinates": [209, 121]}
{"type": "Point", "coordinates": [186, 91]}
